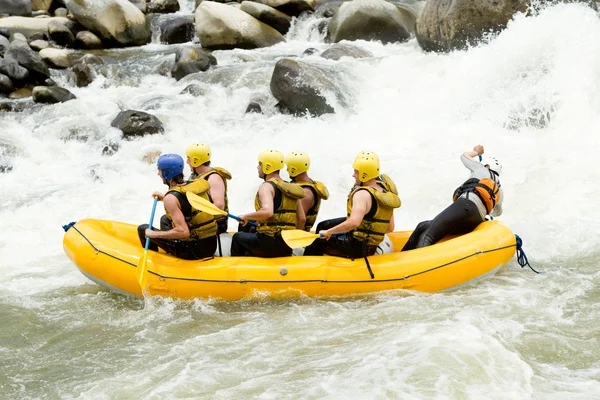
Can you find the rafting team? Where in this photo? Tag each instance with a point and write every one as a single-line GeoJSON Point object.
{"type": "Point", "coordinates": [192, 234]}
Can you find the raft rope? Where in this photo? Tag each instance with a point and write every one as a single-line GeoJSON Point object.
{"type": "Point", "coordinates": [521, 257]}
{"type": "Point", "coordinates": [96, 250]}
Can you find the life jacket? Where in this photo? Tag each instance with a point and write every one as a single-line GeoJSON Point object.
{"type": "Point", "coordinates": [284, 213]}
{"type": "Point", "coordinates": [225, 175]}
{"type": "Point", "coordinates": [320, 192]}
{"type": "Point", "coordinates": [486, 189]}
{"type": "Point", "coordinates": [387, 183]}
{"type": "Point", "coordinates": [376, 222]}
{"type": "Point", "coordinates": [200, 224]}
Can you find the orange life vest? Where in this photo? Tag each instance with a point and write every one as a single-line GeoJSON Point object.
{"type": "Point", "coordinates": [486, 189]}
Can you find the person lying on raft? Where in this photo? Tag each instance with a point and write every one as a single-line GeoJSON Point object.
{"type": "Point", "coordinates": [190, 234]}
{"type": "Point", "coordinates": [275, 205]}
{"type": "Point", "coordinates": [370, 216]}
{"type": "Point", "coordinates": [479, 196]}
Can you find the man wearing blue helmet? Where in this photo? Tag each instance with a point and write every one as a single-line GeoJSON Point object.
{"type": "Point", "coordinates": [193, 233]}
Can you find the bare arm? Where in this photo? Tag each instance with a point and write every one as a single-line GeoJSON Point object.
{"type": "Point", "coordinates": [180, 228]}
{"type": "Point", "coordinates": [361, 204]}
{"type": "Point", "coordinates": [266, 193]}
{"type": "Point", "coordinates": [300, 216]}
{"type": "Point", "coordinates": [217, 190]}
{"type": "Point", "coordinates": [392, 224]}
{"type": "Point", "coordinates": [303, 206]}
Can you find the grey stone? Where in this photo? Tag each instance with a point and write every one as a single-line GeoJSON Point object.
{"type": "Point", "coordinates": [137, 123]}
{"type": "Point", "coordinates": [163, 6]}
{"type": "Point", "coordinates": [26, 57]}
{"type": "Point", "coordinates": [270, 16]}
{"type": "Point", "coordinates": [13, 70]}
{"type": "Point", "coordinates": [6, 85]}
{"type": "Point", "coordinates": [177, 30]}
{"type": "Point", "coordinates": [191, 60]}
{"type": "Point", "coordinates": [60, 34]}
{"type": "Point", "coordinates": [88, 40]}
{"type": "Point", "coordinates": [51, 94]}
{"type": "Point", "coordinates": [16, 7]}
{"type": "Point", "coordinates": [84, 74]}
{"type": "Point", "coordinates": [339, 50]}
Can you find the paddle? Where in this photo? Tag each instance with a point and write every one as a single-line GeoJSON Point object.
{"type": "Point", "coordinates": [206, 206]}
{"type": "Point", "coordinates": [141, 268]}
{"type": "Point", "coordinates": [296, 238]}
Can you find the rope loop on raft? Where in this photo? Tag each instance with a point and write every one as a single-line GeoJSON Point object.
{"type": "Point", "coordinates": [521, 257]}
{"type": "Point", "coordinates": [68, 226]}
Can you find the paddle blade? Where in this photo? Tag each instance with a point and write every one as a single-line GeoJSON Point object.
{"type": "Point", "coordinates": [141, 270]}
{"type": "Point", "coordinates": [203, 205]}
{"type": "Point", "coordinates": [296, 238]}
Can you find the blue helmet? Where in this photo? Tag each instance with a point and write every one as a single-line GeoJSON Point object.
{"type": "Point", "coordinates": [170, 165]}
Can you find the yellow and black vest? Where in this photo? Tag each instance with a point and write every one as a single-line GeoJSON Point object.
{"type": "Point", "coordinates": [377, 221]}
{"type": "Point", "coordinates": [225, 175]}
{"type": "Point", "coordinates": [486, 189]}
{"type": "Point", "coordinates": [386, 183]}
{"type": "Point", "coordinates": [284, 208]}
{"type": "Point", "coordinates": [200, 224]}
{"type": "Point", "coordinates": [320, 192]}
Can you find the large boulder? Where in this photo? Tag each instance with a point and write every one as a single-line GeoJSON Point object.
{"type": "Point", "coordinates": [137, 123]}
{"type": "Point", "coordinates": [177, 30]}
{"type": "Point", "coordinates": [88, 41]}
{"type": "Point", "coordinates": [51, 95]}
{"type": "Point", "coordinates": [38, 45]}
{"type": "Point", "coordinates": [56, 58]}
{"type": "Point", "coordinates": [371, 20]}
{"type": "Point", "coordinates": [163, 6]}
{"type": "Point", "coordinates": [118, 21]}
{"type": "Point", "coordinates": [41, 5]}
{"type": "Point", "coordinates": [268, 15]}
{"type": "Point", "coordinates": [6, 85]}
{"type": "Point", "coordinates": [26, 57]}
{"type": "Point", "coordinates": [301, 87]}
{"type": "Point", "coordinates": [290, 7]}
{"type": "Point", "coordinates": [60, 34]}
{"type": "Point", "coordinates": [28, 26]}
{"type": "Point", "coordinates": [339, 50]}
{"type": "Point", "coordinates": [16, 7]}
{"type": "Point", "coordinates": [84, 74]}
{"type": "Point", "coordinates": [445, 25]}
{"type": "Point", "coordinates": [13, 70]}
{"type": "Point", "coordinates": [191, 60]}
{"type": "Point", "coordinates": [220, 26]}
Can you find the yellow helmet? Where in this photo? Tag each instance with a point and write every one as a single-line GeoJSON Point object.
{"type": "Point", "coordinates": [198, 154]}
{"type": "Point", "coordinates": [297, 163]}
{"type": "Point", "coordinates": [272, 161]}
{"type": "Point", "coordinates": [367, 167]}
{"type": "Point", "coordinates": [367, 154]}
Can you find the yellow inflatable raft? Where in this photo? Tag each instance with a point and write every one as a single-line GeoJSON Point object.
{"type": "Point", "coordinates": [108, 252]}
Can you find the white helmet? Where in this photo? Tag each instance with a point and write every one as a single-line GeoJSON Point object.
{"type": "Point", "coordinates": [494, 164]}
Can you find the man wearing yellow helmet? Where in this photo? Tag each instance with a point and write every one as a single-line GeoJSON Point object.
{"type": "Point", "coordinates": [382, 180]}
{"type": "Point", "coordinates": [370, 216]}
{"type": "Point", "coordinates": [314, 191]}
{"type": "Point", "coordinates": [198, 158]}
{"type": "Point", "coordinates": [275, 205]}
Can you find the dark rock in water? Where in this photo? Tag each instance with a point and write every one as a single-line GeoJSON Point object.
{"type": "Point", "coordinates": [16, 7]}
{"type": "Point", "coordinates": [60, 34]}
{"type": "Point", "coordinates": [194, 89]}
{"type": "Point", "coordinates": [270, 16]}
{"type": "Point", "coordinates": [290, 7]}
{"type": "Point", "coordinates": [22, 53]}
{"type": "Point", "coordinates": [178, 30]}
{"type": "Point", "coordinates": [110, 148]}
{"type": "Point", "coordinates": [84, 74]}
{"type": "Point", "coordinates": [87, 40]}
{"type": "Point", "coordinates": [371, 20]}
{"type": "Point", "coordinates": [323, 28]}
{"type": "Point", "coordinates": [338, 51]}
{"type": "Point", "coordinates": [137, 123]}
{"type": "Point", "coordinates": [90, 59]}
{"type": "Point", "coordinates": [5, 32]}
{"type": "Point", "coordinates": [191, 60]}
{"type": "Point", "coordinates": [310, 51]}
{"type": "Point", "coordinates": [163, 6]}
{"type": "Point", "coordinates": [51, 95]}
{"type": "Point", "coordinates": [253, 107]}
{"type": "Point", "coordinates": [13, 70]}
{"type": "Point", "coordinates": [6, 85]}
{"type": "Point", "coordinates": [5, 168]}
{"type": "Point", "coordinates": [4, 43]}
{"type": "Point", "coordinates": [299, 87]}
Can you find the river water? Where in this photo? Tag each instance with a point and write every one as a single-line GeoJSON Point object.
{"type": "Point", "coordinates": [530, 96]}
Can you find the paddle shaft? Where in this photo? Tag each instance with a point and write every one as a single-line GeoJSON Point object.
{"type": "Point", "coordinates": [144, 258]}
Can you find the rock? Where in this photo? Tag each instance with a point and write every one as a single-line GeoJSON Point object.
{"type": "Point", "coordinates": [28, 26]}
{"type": "Point", "coordinates": [38, 45]}
{"type": "Point", "coordinates": [328, 10]}
{"type": "Point", "coordinates": [339, 50]}
{"type": "Point", "coordinates": [51, 95]}
{"type": "Point", "coordinates": [290, 7]}
{"type": "Point", "coordinates": [6, 85]}
{"type": "Point", "coordinates": [222, 27]}
{"type": "Point", "coordinates": [268, 15]}
{"type": "Point", "coordinates": [178, 30]}
{"type": "Point", "coordinates": [194, 89]}
{"type": "Point", "coordinates": [371, 20]}
{"type": "Point", "coordinates": [37, 36]}
{"type": "Point", "coordinates": [310, 51]}
{"type": "Point", "coordinates": [253, 108]}
{"type": "Point", "coordinates": [137, 123]}
{"type": "Point", "coordinates": [16, 7]}
{"type": "Point", "coordinates": [163, 6]}
{"type": "Point", "coordinates": [84, 74]}
{"type": "Point", "coordinates": [87, 40]}
{"type": "Point", "coordinates": [110, 148]}
{"type": "Point", "coordinates": [13, 70]}
{"type": "Point", "coordinates": [114, 20]}
{"type": "Point", "coordinates": [4, 43]}
{"type": "Point", "coordinates": [56, 58]}
{"type": "Point", "coordinates": [17, 36]}
{"type": "Point", "coordinates": [60, 34]}
{"type": "Point", "coordinates": [191, 60]}
{"type": "Point", "coordinates": [299, 86]}
{"type": "Point", "coordinates": [22, 93]}
{"type": "Point", "coordinates": [26, 57]}
{"type": "Point", "coordinates": [447, 25]}
{"type": "Point", "coordinates": [15, 106]}
{"type": "Point", "coordinates": [61, 12]}
{"type": "Point", "coordinates": [49, 82]}
{"type": "Point", "coordinates": [90, 59]}
{"type": "Point", "coordinates": [41, 5]}
{"type": "Point", "coordinates": [140, 4]}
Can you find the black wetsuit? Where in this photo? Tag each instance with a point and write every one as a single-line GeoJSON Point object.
{"type": "Point", "coordinates": [344, 245]}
